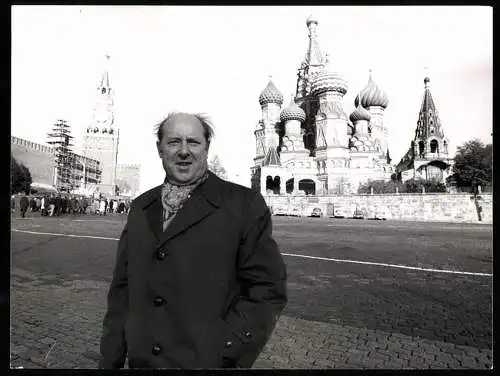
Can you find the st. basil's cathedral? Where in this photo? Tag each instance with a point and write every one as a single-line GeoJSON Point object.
{"type": "Point", "coordinates": [312, 146]}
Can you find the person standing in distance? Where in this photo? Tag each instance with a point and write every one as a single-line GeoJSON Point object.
{"type": "Point", "coordinates": [199, 281]}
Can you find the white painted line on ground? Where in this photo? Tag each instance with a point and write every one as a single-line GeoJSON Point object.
{"type": "Point", "coordinates": [291, 255]}
{"type": "Point", "coordinates": [388, 265]}
{"type": "Point", "coordinates": [94, 220]}
{"type": "Point", "coordinates": [68, 235]}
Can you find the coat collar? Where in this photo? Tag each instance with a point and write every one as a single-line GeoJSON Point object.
{"type": "Point", "coordinates": [204, 199]}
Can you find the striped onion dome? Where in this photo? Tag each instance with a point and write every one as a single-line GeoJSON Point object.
{"type": "Point", "coordinates": [372, 95]}
{"type": "Point", "coordinates": [270, 94]}
{"type": "Point", "coordinates": [292, 112]}
{"type": "Point", "coordinates": [327, 80]}
{"type": "Point", "coordinates": [360, 113]}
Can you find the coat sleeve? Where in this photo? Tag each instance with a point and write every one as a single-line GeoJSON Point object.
{"type": "Point", "coordinates": [261, 276]}
{"type": "Point", "coordinates": [113, 346]}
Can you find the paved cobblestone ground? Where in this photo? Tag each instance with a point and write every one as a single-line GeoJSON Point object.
{"type": "Point", "coordinates": [339, 315]}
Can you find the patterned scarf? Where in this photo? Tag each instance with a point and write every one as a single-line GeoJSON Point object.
{"type": "Point", "coordinates": [173, 198]}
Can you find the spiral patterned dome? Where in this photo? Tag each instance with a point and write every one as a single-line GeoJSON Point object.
{"type": "Point", "coordinates": [270, 95]}
{"type": "Point", "coordinates": [327, 80]}
{"type": "Point", "coordinates": [292, 112]}
{"type": "Point", "coordinates": [372, 95]}
{"type": "Point", "coordinates": [360, 113]}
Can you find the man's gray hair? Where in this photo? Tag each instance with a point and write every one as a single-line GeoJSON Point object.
{"type": "Point", "coordinates": [204, 119]}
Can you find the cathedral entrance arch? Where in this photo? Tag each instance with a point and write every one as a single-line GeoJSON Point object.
{"type": "Point", "coordinates": [273, 184]}
{"type": "Point", "coordinates": [434, 146]}
{"type": "Point", "coordinates": [276, 185]}
{"type": "Point", "coordinates": [421, 148]}
{"type": "Point", "coordinates": [308, 186]}
{"type": "Point", "coordinates": [269, 183]}
{"type": "Point", "coordinates": [289, 185]}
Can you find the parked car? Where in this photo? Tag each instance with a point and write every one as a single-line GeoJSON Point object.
{"type": "Point", "coordinates": [379, 215]}
{"type": "Point", "coordinates": [316, 212]}
{"type": "Point", "coordinates": [279, 211]}
{"type": "Point", "coordinates": [359, 214]}
{"type": "Point", "coordinates": [339, 212]}
{"type": "Point", "coordinates": [295, 212]}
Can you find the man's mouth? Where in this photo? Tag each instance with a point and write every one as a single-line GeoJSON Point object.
{"type": "Point", "coordinates": [184, 163]}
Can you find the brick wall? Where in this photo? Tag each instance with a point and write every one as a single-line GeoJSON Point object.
{"type": "Point", "coordinates": [459, 207]}
{"type": "Point", "coordinates": [38, 158]}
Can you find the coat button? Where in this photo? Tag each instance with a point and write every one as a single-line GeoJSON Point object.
{"type": "Point", "coordinates": [248, 335]}
{"type": "Point", "coordinates": [161, 254]}
{"type": "Point", "coordinates": [159, 301]}
{"type": "Point", "coordinates": [156, 350]}
{"type": "Point", "coordinates": [228, 344]}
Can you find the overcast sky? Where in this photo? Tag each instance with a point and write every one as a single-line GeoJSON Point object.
{"type": "Point", "coordinates": [218, 59]}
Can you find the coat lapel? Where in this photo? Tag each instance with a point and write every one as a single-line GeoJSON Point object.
{"type": "Point", "coordinates": [153, 212]}
{"type": "Point", "coordinates": [204, 200]}
{"type": "Point", "coordinates": [194, 210]}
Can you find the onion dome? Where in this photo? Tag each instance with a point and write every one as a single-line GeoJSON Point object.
{"type": "Point", "coordinates": [270, 95]}
{"type": "Point", "coordinates": [311, 20]}
{"type": "Point", "coordinates": [372, 95]}
{"type": "Point", "coordinates": [360, 113]}
{"type": "Point", "coordinates": [327, 80]}
{"type": "Point", "coordinates": [292, 112]}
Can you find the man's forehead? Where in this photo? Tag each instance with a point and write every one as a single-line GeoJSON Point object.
{"type": "Point", "coordinates": [183, 119]}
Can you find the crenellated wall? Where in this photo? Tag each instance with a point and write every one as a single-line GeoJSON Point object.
{"type": "Point", "coordinates": [37, 157]}
{"type": "Point", "coordinates": [446, 207]}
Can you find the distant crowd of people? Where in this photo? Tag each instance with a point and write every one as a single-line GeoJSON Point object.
{"type": "Point", "coordinates": [57, 204]}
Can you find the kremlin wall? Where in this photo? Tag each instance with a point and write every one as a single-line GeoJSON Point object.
{"type": "Point", "coordinates": [37, 157]}
{"type": "Point", "coordinates": [435, 207]}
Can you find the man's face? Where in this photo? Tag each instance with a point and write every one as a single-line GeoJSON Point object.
{"type": "Point", "coordinates": [183, 149]}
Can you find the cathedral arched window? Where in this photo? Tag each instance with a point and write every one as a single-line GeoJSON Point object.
{"type": "Point", "coordinates": [434, 146]}
{"type": "Point", "coordinates": [103, 90]}
{"type": "Point", "coordinates": [96, 130]}
{"type": "Point", "coordinates": [111, 131]}
{"type": "Point", "coordinates": [104, 130]}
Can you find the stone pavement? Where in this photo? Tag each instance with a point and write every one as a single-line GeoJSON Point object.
{"type": "Point", "coordinates": [57, 324]}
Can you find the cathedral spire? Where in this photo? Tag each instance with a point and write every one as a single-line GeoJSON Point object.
{"type": "Point", "coordinates": [428, 123]}
{"type": "Point", "coordinates": [313, 55]}
{"type": "Point", "coordinates": [272, 158]}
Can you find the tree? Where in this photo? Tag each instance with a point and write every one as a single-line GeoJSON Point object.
{"type": "Point", "coordinates": [473, 165]}
{"type": "Point", "coordinates": [20, 176]}
{"type": "Point", "coordinates": [380, 186]}
{"type": "Point", "coordinates": [409, 186]}
{"type": "Point", "coordinates": [216, 167]}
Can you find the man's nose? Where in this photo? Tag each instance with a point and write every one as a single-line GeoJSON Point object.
{"type": "Point", "coordinates": [183, 150]}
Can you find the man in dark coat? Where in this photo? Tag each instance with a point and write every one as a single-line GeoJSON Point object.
{"type": "Point", "coordinates": [58, 205]}
{"type": "Point", "coordinates": [33, 204]}
{"type": "Point", "coordinates": [199, 281]}
{"type": "Point", "coordinates": [23, 205]}
{"type": "Point", "coordinates": [85, 203]}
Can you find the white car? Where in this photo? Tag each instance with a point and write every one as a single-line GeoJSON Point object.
{"type": "Point", "coordinates": [279, 211]}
